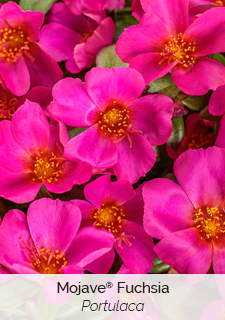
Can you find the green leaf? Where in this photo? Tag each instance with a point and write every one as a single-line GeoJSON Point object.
{"type": "Point", "coordinates": [159, 266]}
{"type": "Point", "coordinates": [108, 58]}
{"type": "Point", "coordinates": [219, 57]}
{"type": "Point", "coordinates": [177, 134]}
{"type": "Point", "coordinates": [15, 293]}
{"type": "Point", "coordinates": [164, 85]}
{"type": "Point", "coordinates": [196, 103]}
{"type": "Point", "coordinates": [45, 309]}
{"type": "Point", "coordinates": [73, 132]}
{"type": "Point", "coordinates": [37, 5]}
{"type": "Point", "coordinates": [123, 21]}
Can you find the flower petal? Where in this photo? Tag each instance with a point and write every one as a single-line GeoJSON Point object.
{"type": "Point", "coordinates": [53, 223]}
{"type": "Point", "coordinates": [220, 141]}
{"type": "Point", "coordinates": [134, 162]}
{"type": "Point", "coordinates": [167, 208]}
{"type": "Point", "coordinates": [218, 256]}
{"type": "Point", "coordinates": [185, 252]}
{"type": "Point", "coordinates": [206, 74]}
{"type": "Point", "coordinates": [17, 187]}
{"type": "Point", "coordinates": [86, 208]}
{"type": "Point", "coordinates": [139, 256]}
{"type": "Point", "coordinates": [89, 244]}
{"type": "Point", "coordinates": [217, 102]}
{"type": "Point", "coordinates": [102, 264]}
{"type": "Point", "coordinates": [43, 69]}
{"type": "Point", "coordinates": [30, 127]}
{"type": "Point", "coordinates": [148, 36]}
{"type": "Point", "coordinates": [174, 17]}
{"type": "Point", "coordinates": [91, 146]}
{"type": "Point", "coordinates": [101, 37]}
{"type": "Point", "coordinates": [14, 230]}
{"type": "Point", "coordinates": [150, 66]}
{"type": "Point", "coordinates": [61, 47]}
{"type": "Point", "coordinates": [208, 32]}
{"type": "Point", "coordinates": [15, 75]}
{"type": "Point", "coordinates": [122, 85]}
{"type": "Point", "coordinates": [200, 174]}
{"type": "Point", "coordinates": [152, 115]}
{"type": "Point", "coordinates": [72, 102]}
{"type": "Point", "coordinates": [40, 95]}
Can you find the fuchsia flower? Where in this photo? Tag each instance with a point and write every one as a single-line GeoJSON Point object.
{"type": "Point", "coordinates": [196, 135]}
{"type": "Point", "coordinates": [82, 6]}
{"type": "Point", "coordinates": [122, 127]}
{"type": "Point", "coordinates": [190, 217]}
{"type": "Point", "coordinates": [76, 39]}
{"type": "Point", "coordinates": [23, 63]}
{"type": "Point", "coordinates": [47, 240]}
{"type": "Point", "coordinates": [31, 154]}
{"type": "Point", "coordinates": [9, 102]}
{"type": "Point", "coordinates": [116, 207]}
{"type": "Point", "coordinates": [212, 3]}
{"type": "Point", "coordinates": [163, 42]}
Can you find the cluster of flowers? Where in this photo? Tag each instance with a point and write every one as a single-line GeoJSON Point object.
{"type": "Point", "coordinates": [57, 132]}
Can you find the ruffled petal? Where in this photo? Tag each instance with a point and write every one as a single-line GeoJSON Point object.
{"type": "Point", "coordinates": [86, 208]}
{"type": "Point", "coordinates": [134, 160]}
{"type": "Point", "coordinates": [81, 57]}
{"type": "Point", "coordinates": [167, 208]}
{"type": "Point", "coordinates": [182, 251]}
{"type": "Point", "coordinates": [40, 95]}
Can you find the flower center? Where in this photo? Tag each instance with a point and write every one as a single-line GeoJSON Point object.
{"type": "Point", "coordinates": [114, 120]}
{"type": "Point", "coordinates": [47, 168]}
{"type": "Point", "coordinates": [7, 108]}
{"type": "Point", "coordinates": [210, 222]}
{"type": "Point", "coordinates": [197, 141]}
{"type": "Point", "coordinates": [220, 3]}
{"type": "Point", "coordinates": [43, 260]}
{"type": "Point", "coordinates": [109, 217]}
{"type": "Point", "coordinates": [178, 50]}
{"type": "Point", "coordinates": [86, 36]}
{"type": "Point", "coordinates": [13, 41]}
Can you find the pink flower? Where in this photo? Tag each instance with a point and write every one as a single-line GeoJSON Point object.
{"type": "Point", "coordinates": [122, 127]}
{"type": "Point", "coordinates": [23, 63]}
{"type": "Point", "coordinates": [31, 154]}
{"type": "Point", "coordinates": [47, 240]}
{"type": "Point", "coordinates": [9, 102]}
{"type": "Point", "coordinates": [116, 207]}
{"type": "Point", "coordinates": [82, 6]}
{"type": "Point", "coordinates": [76, 39]}
{"type": "Point", "coordinates": [163, 42]}
{"type": "Point", "coordinates": [190, 217]}
{"type": "Point", "coordinates": [196, 136]}
{"type": "Point", "coordinates": [212, 3]}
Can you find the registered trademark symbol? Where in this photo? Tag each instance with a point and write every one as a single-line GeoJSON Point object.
{"type": "Point", "coordinates": [109, 284]}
